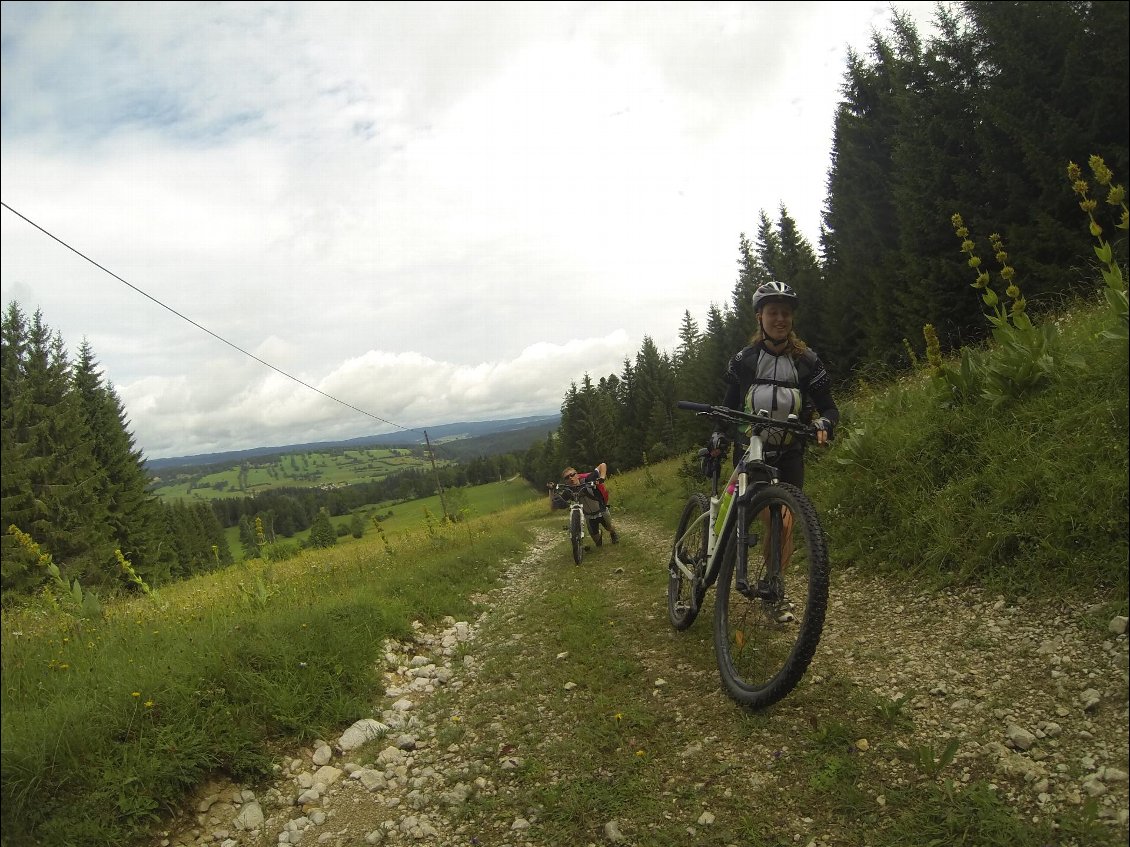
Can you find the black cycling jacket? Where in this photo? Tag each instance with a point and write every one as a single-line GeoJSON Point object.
{"type": "Point", "coordinates": [781, 384]}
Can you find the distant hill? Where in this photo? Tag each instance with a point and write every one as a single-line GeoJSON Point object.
{"type": "Point", "coordinates": [464, 440]}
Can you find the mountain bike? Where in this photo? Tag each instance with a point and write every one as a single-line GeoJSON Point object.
{"type": "Point", "coordinates": [576, 496]}
{"type": "Point", "coordinates": [761, 541]}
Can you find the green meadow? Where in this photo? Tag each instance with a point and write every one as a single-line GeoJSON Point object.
{"type": "Point", "coordinates": [400, 518]}
{"type": "Point", "coordinates": [289, 470]}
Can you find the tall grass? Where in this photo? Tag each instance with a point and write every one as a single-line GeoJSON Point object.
{"type": "Point", "coordinates": [108, 722]}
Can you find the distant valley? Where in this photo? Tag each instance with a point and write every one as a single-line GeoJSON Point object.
{"type": "Point", "coordinates": [478, 435]}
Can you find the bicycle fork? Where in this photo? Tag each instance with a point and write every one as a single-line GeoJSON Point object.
{"type": "Point", "coordinates": [769, 588]}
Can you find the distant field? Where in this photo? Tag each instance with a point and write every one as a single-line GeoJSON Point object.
{"type": "Point", "coordinates": [292, 470]}
{"type": "Point", "coordinates": [479, 500]}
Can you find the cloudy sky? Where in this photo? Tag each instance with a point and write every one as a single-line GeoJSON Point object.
{"type": "Point", "coordinates": [432, 212]}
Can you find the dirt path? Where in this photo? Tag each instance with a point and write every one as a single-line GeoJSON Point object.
{"type": "Point", "coordinates": [1034, 698]}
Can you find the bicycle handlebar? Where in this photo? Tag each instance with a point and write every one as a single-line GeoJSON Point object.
{"type": "Point", "coordinates": [759, 420]}
{"type": "Point", "coordinates": [572, 491]}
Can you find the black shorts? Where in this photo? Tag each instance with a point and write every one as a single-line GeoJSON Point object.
{"type": "Point", "coordinates": [790, 465]}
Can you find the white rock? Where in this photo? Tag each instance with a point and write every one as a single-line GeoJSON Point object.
{"type": "Point", "coordinates": [249, 817]}
{"type": "Point", "coordinates": [361, 732]}
{"type": "Point", "coordinates": [1021, 738]}
{"type": "Point", "coordinates": [327, 775]}
{"type": "Point", "coordinates": [1094, 786]}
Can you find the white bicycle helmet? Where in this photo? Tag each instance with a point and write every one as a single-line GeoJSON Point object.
{"type": "Point", "coordinates": [773, 292]}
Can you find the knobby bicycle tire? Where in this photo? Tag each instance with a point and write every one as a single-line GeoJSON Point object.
{"type": "Point", "coordinates": [682, 608]}
{"type": "Point", "coordinates": [765, 638]}
{"type": "Point", "coordinates": [577, 536]}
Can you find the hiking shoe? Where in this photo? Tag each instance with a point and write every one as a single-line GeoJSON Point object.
{"type": "Point", "coordinates": [781, 611]}
{"type": "Point", "coordinates": [615, 537]}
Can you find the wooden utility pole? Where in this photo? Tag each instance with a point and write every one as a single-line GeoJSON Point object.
{"type": "Point", "coordinates": [439, 484]}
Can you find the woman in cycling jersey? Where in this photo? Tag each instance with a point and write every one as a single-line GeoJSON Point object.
{"type": "Point", "coordinates": [780, 374]}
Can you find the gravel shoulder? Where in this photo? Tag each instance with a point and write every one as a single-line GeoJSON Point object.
{"type": "Point", "coordinates": [1033, 697]}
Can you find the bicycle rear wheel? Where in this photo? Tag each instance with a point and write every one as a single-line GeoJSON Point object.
{"type": "Point", "coordinates": [577, 535]}
{"type": "Point", "coordinates": [768, 620]}
{"type": "Point", "coordinates": [691, 546]}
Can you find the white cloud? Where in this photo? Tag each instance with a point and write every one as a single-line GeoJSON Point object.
{"type": "Point", "coordinates": [433, 212]}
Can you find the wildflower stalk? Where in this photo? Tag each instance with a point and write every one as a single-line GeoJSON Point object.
{"type": "Point", "coordinates": [381, 534]}
{"type": "Point", "coordinates": [130, 573]}
{"type": "Point", "coordinates": [1115, 291]}
{"type": "Point", "coordinates": [1016, 315]}
{"type": "Point", "coordinates": [1023, 356]}
{"type": "Point", "coordinates": [85, 602]}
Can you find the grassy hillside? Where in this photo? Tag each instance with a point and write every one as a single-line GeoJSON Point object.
{"type": "Point", "coordinates": [402, 518]}
{"type": "Point", "coordinates": [1027, 495]}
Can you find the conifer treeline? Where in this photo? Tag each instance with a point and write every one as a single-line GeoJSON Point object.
{"type": "Point", "coordinates": [982, 121]}
{"type": "Point", "coordinates": [73, 480]}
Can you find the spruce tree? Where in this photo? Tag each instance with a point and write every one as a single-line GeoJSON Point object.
{"type": "Point", "coordinates": [20, 572]}
{"type": "Point", "coordinates": [51, 444]}
{"type": "Point", "coordinates": [322, 531]}
{"type": "Point", "coordinates": [122, 486]}
{"type": "Point", "coordinates": [937, 174]}
{"type": "Point", "coordinates": [860, 215]}
{"type": "Point", "coordinates": [1055, 91]}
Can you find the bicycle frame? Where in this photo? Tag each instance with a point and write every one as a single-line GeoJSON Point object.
{"type": "Point", "coordinates": [751, 474]}
{"type": "Point", "coordinates": [752, 464]}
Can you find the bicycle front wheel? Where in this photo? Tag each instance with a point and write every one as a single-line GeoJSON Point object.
{"type": "Point", "coordinates": [690, 546]}
{"type": "Point", "coordinates": [769, 611]}
{"type": "Point", "coordinates": [577, 535]}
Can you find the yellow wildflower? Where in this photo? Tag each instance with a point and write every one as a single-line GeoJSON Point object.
{"type": "Point", "coordinates": [1102, 173]}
